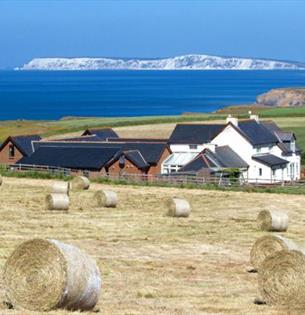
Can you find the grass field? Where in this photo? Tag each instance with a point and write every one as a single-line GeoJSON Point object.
{"type": "Point", "coordinates": [154, 126]}
{"type": "Point", "coordinates": [150, 263]}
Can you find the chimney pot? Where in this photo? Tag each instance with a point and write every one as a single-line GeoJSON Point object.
{"type": "Point", "coordinates": [232, 120]}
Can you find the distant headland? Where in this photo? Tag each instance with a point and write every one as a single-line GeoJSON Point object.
{"type": "Point", "coordinates": [186, 62]}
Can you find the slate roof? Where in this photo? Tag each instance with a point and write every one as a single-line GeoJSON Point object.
{"type": "Point", "coordinates": [87, 158]}
{"type": "Point", "coordinates": [269, 160]}
{"type": "Point", "coordinates": [89, 138]}
{"type": "Point", "coordinates": [102, 133]}
{"type": "Point", "coordinates": [223, 157]}
{"type": "Point", "coordinates": [136, 158]}
{"type": "Point", "coordinates": [195, 133]}
{"type": "Point", "coordinates": [196, 164]}
{"type": "Point", "coordinates": [229, 158]}
{"type": "Point", "coordinates": [285, 136]}
{"type": "Point", "coordinates": [270, 125]}
{"type": "Point", "coordinates": [257, 133]}
{"type": "Point", "coordinates": [23, 143]}
{"type": "Point", "coordinates": [151, 152]}
{"type": "Point", "coordinates": [74, 144]}
{"type": "Point", "coordinates": [148, 140]}
{"type": "Point", "coordinates": [142, 155]}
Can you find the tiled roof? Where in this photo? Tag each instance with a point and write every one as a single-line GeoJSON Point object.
{"type": "Point", "coordinates": [269, 160]}
{"type": "Point", "coordinates": [87, 158]}
{"type": "Point", "coordinates": [195, 133]}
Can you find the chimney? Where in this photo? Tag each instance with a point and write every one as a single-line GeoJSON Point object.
{"type": "Point", "coordinates": [253, 116]}
{"type": "Point", "coordinates": [232, 120]}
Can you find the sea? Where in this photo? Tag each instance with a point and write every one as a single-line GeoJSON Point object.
{"type": "Point", "coordinates": [49, 95]}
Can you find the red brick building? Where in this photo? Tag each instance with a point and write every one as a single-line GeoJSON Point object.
{"type": "Point", "coordinates": [140, 158]}
{"type": "Point", "coordinates": [17, 147]}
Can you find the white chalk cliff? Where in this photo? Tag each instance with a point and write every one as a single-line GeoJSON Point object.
{"type": "Point", "coordinates": [187, 62]}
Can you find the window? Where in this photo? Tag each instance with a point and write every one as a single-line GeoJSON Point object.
{"type": "Point", "coordinates": [273, 172]}
{"type": "Point", "coordinates": [258, 150]}
{"type": "Point", "coordinates": [193, 146]}
{"type": "Point", "coordinates": [11, 151]}
{"type": "Point", "coordinates": [292, 170]}
{"type": "Point", "coordinates": [292, 146]}
{"type": "Point", "coordinates": [260, 172]}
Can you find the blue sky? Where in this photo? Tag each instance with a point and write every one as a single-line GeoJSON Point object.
{"type": "Point", "coordinates": [68, 28]}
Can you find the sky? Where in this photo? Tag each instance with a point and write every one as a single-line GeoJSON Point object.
{"type": "Point", "coordinates": [99, 28]}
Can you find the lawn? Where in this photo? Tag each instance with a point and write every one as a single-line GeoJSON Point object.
{"type": "Point", "coordinates": [151, 263]}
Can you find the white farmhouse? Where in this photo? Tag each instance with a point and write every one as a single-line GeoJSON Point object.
{"type": "Point", "coordinates": [186, 142]}
{"type": "Point", "coordinates": [260, 149]}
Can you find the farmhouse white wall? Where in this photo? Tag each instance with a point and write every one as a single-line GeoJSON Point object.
{"type": "Point", "coordinates": [229, 136]}
{"type": "Point", "coordinates": [257, 171]}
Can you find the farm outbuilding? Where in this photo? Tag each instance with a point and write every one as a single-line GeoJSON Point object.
{"type": "Point", "coordinates": [138, 158]}
{"type": "Point", "coordinates": [102, 133]}
{"type": "Point", "coordinates": [16, 147]}
{"type": "Point", "coordinates": [87, 159]}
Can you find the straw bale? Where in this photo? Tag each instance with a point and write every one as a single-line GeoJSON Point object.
{"type": "Point", "coordinates": [57, 202]}
{"type": "Point", "coordinates": [106, 198]}
{"type": "Point", "coordinates": [42, 275]}
{"type": "Point", "coordinates": [281, 279]}
{"type": "Point", "coordinates": [61, 188]}
{"type": "Point", "coordinates": [80, 183]}
{"type": "Point", "coordinates": [178, 207]}
{"type": "Point", "coordinates": [267, 245]}
{"type": "Point", "coordinates": [272, 220]}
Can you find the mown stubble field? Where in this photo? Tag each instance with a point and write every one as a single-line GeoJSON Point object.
{"type": "Point", "coordinates": [151, 263]}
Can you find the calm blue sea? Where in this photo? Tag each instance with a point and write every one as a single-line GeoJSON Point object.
{"type": "Point", "coordinates": [52, 95]}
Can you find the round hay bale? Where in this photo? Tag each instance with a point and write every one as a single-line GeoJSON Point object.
{"type": "Point", "coordinates": [106, 198]}
{"type": "Point", "coordinates": [281, 279]}
{"type": "Point", "coordinates": [267, 245]}
{"type": "Point", "coordinates": [42, 275]}
{"type": "Point", "coordinates": [178, 207]}
{"type": "Point", "coordinates": [57, 202]}
{"type": "Point", "coordinates": [272, 220]}
{"type": "Point", "coordinates": [61, 188]}
{"type": "Point", "coordinates": [80, 183]}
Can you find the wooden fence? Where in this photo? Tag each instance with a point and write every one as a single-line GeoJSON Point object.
{"type": "Point", "coordinates": [169, 179]}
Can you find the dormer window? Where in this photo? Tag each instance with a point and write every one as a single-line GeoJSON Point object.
{"type": "Point", "coordinates": [11, 151]}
